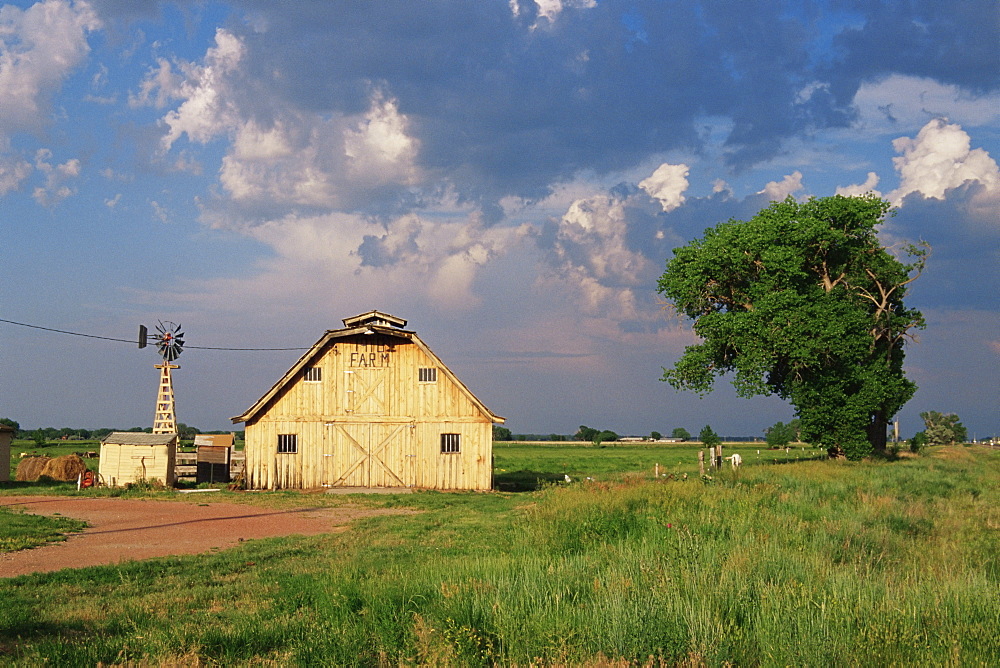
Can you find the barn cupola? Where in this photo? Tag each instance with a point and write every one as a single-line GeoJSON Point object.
{"type": "Point", "coordinates": [376, 318]}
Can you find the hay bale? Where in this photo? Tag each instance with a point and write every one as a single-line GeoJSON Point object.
{"type": "Point", "coordinates": [66, 468]}
{"type": "Point", "coordinates": [29, 468]}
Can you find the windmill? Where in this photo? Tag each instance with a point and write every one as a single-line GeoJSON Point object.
{"type": "Point", "coordinates": [169, 339]}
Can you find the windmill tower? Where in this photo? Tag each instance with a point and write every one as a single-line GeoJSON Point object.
{"type": "Point", "coordinates": [169, 340]}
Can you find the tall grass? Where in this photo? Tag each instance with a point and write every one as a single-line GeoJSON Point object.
{"type": "Point", "coordinates": [814, 563]}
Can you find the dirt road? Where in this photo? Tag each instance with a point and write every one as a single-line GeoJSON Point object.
{"type": "Point", "coordinates": [124, 529]}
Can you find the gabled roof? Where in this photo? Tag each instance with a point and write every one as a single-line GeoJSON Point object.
{"type": "Point", "coordinates": [373, 322]}
{"type": "Point", "coordinates": [374, 318]}
{"type": "Point", "coordinates": [138, 438]}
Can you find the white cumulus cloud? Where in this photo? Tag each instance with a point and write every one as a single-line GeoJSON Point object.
{"type": "Point", "coordinates": [305, 159]}
{"type": "Point", "coordinates": [56, 188]}
{"type": "Point", "coordinates": [590, 252]}
{"type": "Point", "coordinates": [667, 184]}
{"type": "Point", "coordinates": [939, 158]}
{"type": "Point", "coordinates": [779, 190]}
{"type": "Point", "coordinates": [378, 148]}
{"type": "Point", "coordinates": [207, 110]}
{"type": "Point", "coordinates": [861, 188]}
{"type": "Point", "coordinates": [550, 9]}
{"type": "Point", "coordinates": [12, 172]}
{"type": "Point", "coordinates": [39, 47]}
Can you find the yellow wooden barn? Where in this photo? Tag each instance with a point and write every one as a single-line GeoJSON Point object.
{"type": "Point", "coordinates": [369, 406]}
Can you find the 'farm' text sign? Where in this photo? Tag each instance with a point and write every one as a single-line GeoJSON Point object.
{"type": "Point", "coordinates": [368, 357]}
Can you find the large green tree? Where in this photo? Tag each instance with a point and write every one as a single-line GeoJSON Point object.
{"type": "Point", "coordinates": [804, 302]}
{"type": "Point", "coordinates": [942, 428]}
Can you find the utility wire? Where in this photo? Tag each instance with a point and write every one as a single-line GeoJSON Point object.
{"type": "Point", "coordinates": [132, 341]}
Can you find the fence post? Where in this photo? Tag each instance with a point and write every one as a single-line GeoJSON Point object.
{"type": "Point", "coordinates": [701, 462]}
{"type": "Point", "coordinates": [719, 454]}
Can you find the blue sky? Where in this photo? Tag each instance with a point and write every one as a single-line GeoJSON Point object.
{"type": "Point", "coordinates": [509, 177]}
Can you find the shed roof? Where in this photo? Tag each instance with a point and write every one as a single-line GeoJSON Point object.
{"type": "Point", "coordinates": [373, 322]}
{"type": "Point", "coordinates": [214, 439]}
{"type": "Point", "coordinates": [138, 438]}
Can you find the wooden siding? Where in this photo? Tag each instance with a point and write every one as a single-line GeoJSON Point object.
{"type": "Point", "coordinates": [370, 422]}
{"type": "Point", "coordinates": [6, 436]}
{"type": "Point", "coordinates": [122, 464]}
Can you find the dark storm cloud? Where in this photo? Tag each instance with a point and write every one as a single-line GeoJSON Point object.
{"type": "Point", "coordinates": [952, 42]}
{"type": "Point", "coordinates": [500, 108]}
{"type": "Point", "coordinates": [961, 272]}
{"type": "Point", "coordinates": [504, 104]}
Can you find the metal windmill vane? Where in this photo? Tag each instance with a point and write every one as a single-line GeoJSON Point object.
{"type": "Point", "coordinates": [169, 340]}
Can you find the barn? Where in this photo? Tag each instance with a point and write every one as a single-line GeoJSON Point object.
{"type": "Point", "coordinates": [132, 456]}
{"type": "Point", "coordinates": [369, 406]}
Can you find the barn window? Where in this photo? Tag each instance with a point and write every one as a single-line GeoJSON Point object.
{"type": "Point", "coordinates": [450, 443]}
{"type": "Point", "coordinates": [427, 375]}
{"type": "Point", "coordinates": [313, 374]}
{"type": "Point", "coordinates": [288, 443]}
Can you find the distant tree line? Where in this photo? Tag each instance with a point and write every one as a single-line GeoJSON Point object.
{"type": "Point", "coordinates": [595, 436]}
{"type": "Point", "coordinates": [45, 434]}
{"type": "Point", "coordinates": [940, 429]}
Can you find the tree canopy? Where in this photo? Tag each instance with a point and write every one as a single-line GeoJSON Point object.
{"type": "Point", "coordinates": [942, 428]}
{"type": "Point", "coordinates": [596, 436]}
{"type": "Point", "coordinates": [502, 433]}
{"type": "Point", "coordinates": [708, 437]}
{"type": "Point", "coordinates": [802, 301]}
{"type": "Point", "coordinates": [779, 434]}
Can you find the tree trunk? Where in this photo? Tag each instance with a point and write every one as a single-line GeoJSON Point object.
{"type": "Point", "coordinates": [876, 431]}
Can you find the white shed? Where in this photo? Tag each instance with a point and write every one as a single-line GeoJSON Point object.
{"type": "Point", "coordinates": [129, 456]}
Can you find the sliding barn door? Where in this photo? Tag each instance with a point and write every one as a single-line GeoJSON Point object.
{"type": "Point", "coordinates": [370, 454]}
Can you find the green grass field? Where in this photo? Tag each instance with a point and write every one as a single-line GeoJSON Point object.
{"type": "Point", "coordinates": [805, 563]}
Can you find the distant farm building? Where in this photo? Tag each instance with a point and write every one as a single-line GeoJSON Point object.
{"type": "Point", "coordinates": [130, 457]}
{"type": "Point", "coordinates": [6, 436]}
{"type": "Point", "coordinates": [214, 458]}
{"type": "Point", "coordinates": [369, 406]}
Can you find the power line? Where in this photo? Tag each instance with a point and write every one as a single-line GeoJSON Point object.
{"type": "Point", "coordinates": [132, 341]}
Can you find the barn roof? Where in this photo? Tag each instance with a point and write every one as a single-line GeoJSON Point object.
{"type": "Point", "coordinates": [374, 318]}
{"type": "Point", "coordinates": [373, 322]}
{"type": "Point", "coordinates": [138, 438]}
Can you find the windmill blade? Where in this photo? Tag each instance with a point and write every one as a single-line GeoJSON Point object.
{"type": "Point", "coordinates": [169, 340]}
